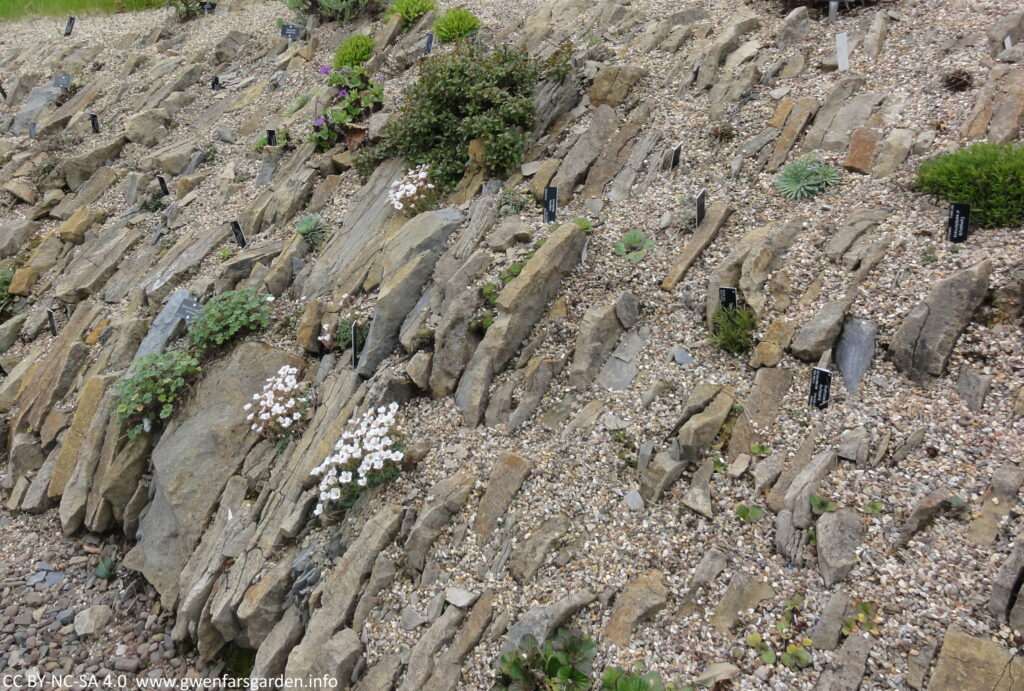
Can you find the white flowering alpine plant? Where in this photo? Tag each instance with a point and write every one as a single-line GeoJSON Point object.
{"type": "Point", "coordinates": [277, 410]}
{"type": "Point", "coordinates": [414, 192]}
{"type": "Point", "coordinates": [364, 456]}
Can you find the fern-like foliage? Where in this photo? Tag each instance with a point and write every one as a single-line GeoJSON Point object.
{"type": "Point", "coordinates": [806, 177]}
{"type": "Point", "coordinates": [634, 245]}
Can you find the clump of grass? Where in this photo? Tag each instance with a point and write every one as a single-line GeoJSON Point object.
{"type": "Point", "coordinates": [733, 329]}
{"type": "Point", "coordinates": [986, 175]}
{"type": "Point", "coordinates": [299, 103]}
{"type": "Point", "coordinates": [806, 177]}
{"type": "Point", "coordinates": [313, 229]}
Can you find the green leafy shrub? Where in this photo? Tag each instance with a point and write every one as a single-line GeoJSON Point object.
{"type": "Point", "coordinates": [559, 64]}
{"type": "Point", "coordinates": [358, 96]}
{"type": "Point", "coordinates": [6, 299]}
{"type": "Point", "coordinates": [184, 10]}
{"type": "Point", "coordinates": [226, 316]}
{"type": "Point", "coordinates": [312, 229]}
{"type": "Point", "coordinates": [820, 505]}
{"type": "Point", "coordinates": [986, 175]}
{"type": "Point", "coordinates": [512, 201]}
{"type": "Point", "coordinates": [797, 656]}
{"type": "Point", "coordinates": [353, 51]}
{"type": "Point", "coordinates": [791, 606]}
{"type": "Point", "coordinates": [733, 329]}
{"type": "Point", "coordinates": [329, 10]}
{"type": "Point", "coordinates": [563, 663]}
{"type": "Point", "coordinates": [634, 245]}
{"type": "Point", "coordinates": [615, 679]}
{"type": "Point", "coordinates": [806, 177]}
{"type": "Point", "coordinates": [153, 385]}
{"type": "Point", "coordinates": [411, 10]}
{"type": "Point", "coordinates": [455, 24]}
{"type": "Point", "coordinates": [343, 331]}
{"type": "Point", "coordinates": [463, 95]}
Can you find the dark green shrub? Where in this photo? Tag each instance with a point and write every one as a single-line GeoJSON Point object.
{"type": "Point", "coordinates": [353, 51]}
{"type": "Point", "coordinates": [733, 329]}
{"type": "Point", "coordinates": [228, 315]}
{"type": "Point", "coordinates": [411, 10]}
{"type": "Point", "coordinates": [988, 176]}
{"type": "Point", "coordinates": [563, 663]}
{"type": "Point", "coordinates": [6, 276]}
{"type": "Point", "coordinates": [460, 96]}
{"type": "Point", "coordinates": [154, 384]}
{"type": "Point", "coordinates": [329, 10]}
{"type": "Point", "coordinates": [455, 24]}
{"type": "Point", "coordinates": [185, 10]}
{"type": "Point", "coordinates": [358, 96]}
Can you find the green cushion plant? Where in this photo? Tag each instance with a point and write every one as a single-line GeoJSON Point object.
{"type": "Point", "coordinates": [733, 329]}
{"type": "Point", "coordinates": [411, 10]}
{"type": "Point", "coordinates": [455, 24]}
{"type": "Point", "coordinates": [353, 51]}
{"type": "Point", "coordinates": [806, 177]}
{"type": "Point", "coordinates": [988, 176]}
{"type": "Point", "coordinates": [153, 386]}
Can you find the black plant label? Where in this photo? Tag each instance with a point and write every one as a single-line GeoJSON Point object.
{"type": "Point", "coordinates": [727, 297]}
{"type": "Point", "coordinates": [271, 137]}
{"type": "Point", "coordinates": [95, 121]}
{"type": "Point", "coordinates": [207, 7]}
{"type": "Point", "coordinates": [62, 82]}
{"type": "Point", "coordinates": [70, 26]}
{"type": "Point", "coordinates": [958, 222]}
{"type": "Point", "coordinates": [702, 198]}
{"type": "Point", "coordinates": [430, 43]}
{"type": "Point", "coordinates": [291, 31]}
{"type": "Point", "coordinates": [163, 184]}
{"type": "Point", "coordinates": [821, 388]}
{"type": "Point", "coordinates": [550, 204]}
{"type": "Point", "coordinates": [52, 321]}
{"type": "Point", "coordinates": [236, 230]}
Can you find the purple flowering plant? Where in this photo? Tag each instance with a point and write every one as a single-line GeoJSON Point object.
{"type": "Point", "coordinates": [358, 96]}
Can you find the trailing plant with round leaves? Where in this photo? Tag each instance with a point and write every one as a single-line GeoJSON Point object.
{"type": "Point", "coordinates": [312, 229]}
{"type": "Point", "coordinates": [615, 679]}
{"type": "Point", "coordinates": [806, 177]}
{"type": "Point", "coordinates": [455, 24]}
{"type": "Point", "coordinates": [634, 245]}
{"type": "Point", "coordinates": [411, 10]}
{"type": "Point", "coordinates": [466, 94]}
{"type": "Point", "coordinates": [228, 315]}
{"type": "Point", "coordinates": [153, 386]}
{"type": "Point", "coordinates": [353, 51]}
{"type": "Point", "coordinates": [988, 176]}
{"type": "Point", "coordinates": [563, 663]}
{"type": "Point", "coordinates": [733, 329]}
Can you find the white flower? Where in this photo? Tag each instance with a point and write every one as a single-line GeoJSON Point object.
{"type": "Point", "coordinates": [270, 298]}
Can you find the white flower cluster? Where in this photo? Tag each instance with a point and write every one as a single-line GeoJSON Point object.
{"type": "Point", "coordinates": [413, 192]}
{"type": "Point", "coordinates": [362, 451]}
{"type": "Point", "coordinates": [279, 406]}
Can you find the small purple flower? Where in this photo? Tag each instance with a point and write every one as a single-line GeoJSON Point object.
{"type": "Point", "coordinates": [325, 69]}
{"type": "Point", "coordinates": [378, 78]}
{"type": "Point", "coordinates": [319, 122]}
{"type": "Point", "coordinates": [343, 93]}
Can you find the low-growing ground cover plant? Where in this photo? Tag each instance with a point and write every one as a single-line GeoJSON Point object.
{"type": "Point", "coordinates": [563, 663]}
{"type": "Point", "coordinates": [466, 94]}
{"type": "Point", "coordinates": [359, 95]}
{"type": "Point", "coordinates": [806, 177]}
{"type": "Point", "coordinates": [413, 193]}
{"type": "Point", "coordinates": [226, 316]}
{"type": "Point", "coordinates": [988, 176]}
{"type": "Point", "coordinates": [369, 453]}
{"type": "Point", "coordinates": [154, 384]}
{"type": "Point", "coordinates": [455, 24]}
{"type": "Point", "coordinates": [733, 329]}
{"type": "Point", "coordinates": [277, 411]}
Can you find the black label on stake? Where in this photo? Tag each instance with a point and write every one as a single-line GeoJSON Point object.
{"type": "Point", "coordinates": [70, 26]}
{"type": "Point", "coordinates": [53, 322]}
{"type": "Point", "coordinates": [727, 297]}
{"type": "Point", "coordinates": [207, 7]}
{"type": "Point", "coordinates": [215, 83]}
{"type": "Point", "coordinates": [62, 81]}
{"type": "Point", "coordinates": [677, 154]}
{"type": "Point", "coordinates": [31, 130]}
{"type": "Point", "coordinates": [355, 347]}
{"type": "Point", "coordinates": [163, 184]}
{"type": "Point", "coordinates": [959, 220]}
{"type": "Point", "coordinates": [236, 229]}
{"type": "Point", "coordinates": [291, 31]}
{"type": "Point", "coordinates": [702, 198]}
{"type": "Point", "coordinates": [95, 122]}
{"type": "Point", "coordinates": [430, 43]}
{"type": "Point", "coordinates": [3, 94]}
{"type": "Point", "coordinates": [188, 309]}
{"type": "Point", "coordinates": [271, 137]}
{"type": "Point", "coordinates": [821, 388]}
{"type": "Point", "coordinates": [550, 204]}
